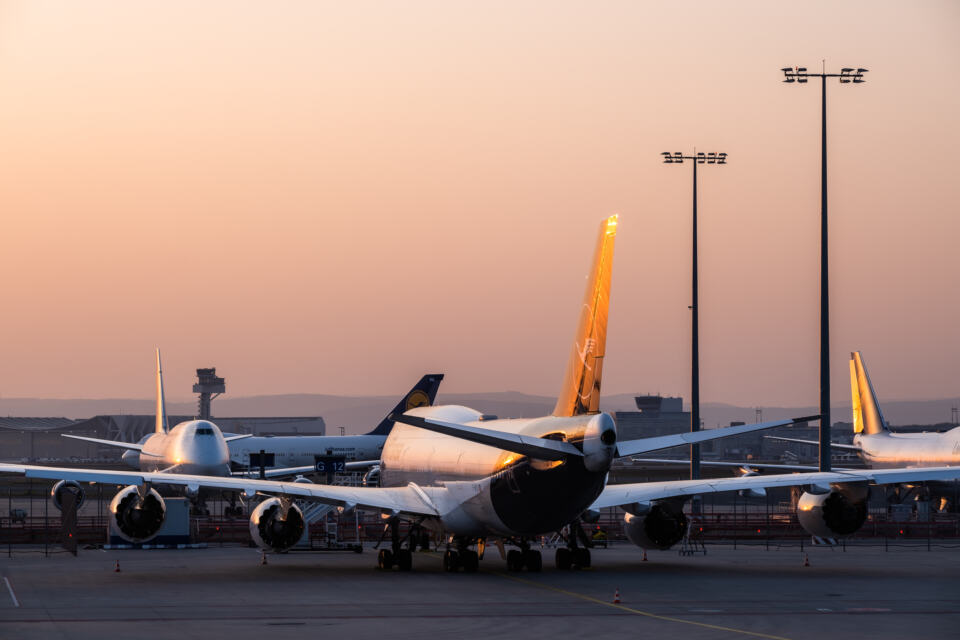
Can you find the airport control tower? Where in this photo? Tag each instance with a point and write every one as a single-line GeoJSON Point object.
{"type": "Point", "coordinates": [209, 386]}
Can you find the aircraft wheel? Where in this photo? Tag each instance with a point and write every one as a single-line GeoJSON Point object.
{"type": "Point", "coordinates": [533, 561]}
{"type": "Point", "coordinates": [514, 560]}
{"type": "Point", "coordinates": [451, 561]}
{"type": "Point", "coordinates": [385, 559]}
{"type": "Point", "coordinates": [581, 558]}
{"type": "Point", "coordinates": [563, 559]}
{"type": "Point", "coordinates": [405, 559]}
{"type": "Point", "coordinates": [470, 561]}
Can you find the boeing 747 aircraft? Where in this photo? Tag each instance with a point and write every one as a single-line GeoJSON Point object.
{"type": "Point", "coordinates": [473, 477]}
{"type": "Point", "coordinates": [876, 444]}
{"type": "Point", "coordinates": [199, 447]}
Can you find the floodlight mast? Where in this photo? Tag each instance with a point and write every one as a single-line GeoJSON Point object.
{"type": "Point", "coordinates": [846, 75]}
{"type": "Point", "coordinates": [697, 158]}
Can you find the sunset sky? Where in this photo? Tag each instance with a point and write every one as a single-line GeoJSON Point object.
{"type": "Point", "coordinates": [335, 197]}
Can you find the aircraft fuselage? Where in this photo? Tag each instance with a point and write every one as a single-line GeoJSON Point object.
{"type": "Point", "coordinates": [887, 450]}
{"type": "Point", "coordinates": [192, 447]}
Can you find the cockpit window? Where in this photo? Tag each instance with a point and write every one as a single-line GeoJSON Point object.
{"type": "Point", "coordinates": [204, 431]}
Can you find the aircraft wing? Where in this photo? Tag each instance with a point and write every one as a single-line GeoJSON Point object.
{"type": "Point", "coordinates": [835, 445]}
{"type": "Point", "coordinates": [532, 446]}
{"type": "Point", "coordinates": [743, 465]}
{"type": "Point", "coordinates": [281, 472]}
{"type": "Point", "coordinates": [233, 437]}
{"type": "Point", "coordinates": [643, 445]}
{"type": "Point", "coordinates": [411, 500]}
{"type": "Point", "coordinates": [615, 495]}
{"type": "Point", "coordinates": [132, 446]}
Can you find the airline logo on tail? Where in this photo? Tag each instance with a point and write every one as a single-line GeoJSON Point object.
{"type": "Point", "coordinates": [417, 398]}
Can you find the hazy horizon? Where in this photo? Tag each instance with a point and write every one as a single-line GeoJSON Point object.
{"type": "Point", "coordinates": [329, 197]}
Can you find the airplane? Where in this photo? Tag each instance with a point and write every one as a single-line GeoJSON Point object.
{"type": "Point", "coordinates": [475, 477]}
{"type": "Point", "coordinates": [873, 441]}
{"type": "Point", "coordinates": [199, 447]}
{"type": "Point", "coordinates": [876, 444]}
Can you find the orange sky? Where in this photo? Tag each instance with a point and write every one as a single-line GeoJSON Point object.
{"type": "Point", "coordinates": [336, 197]}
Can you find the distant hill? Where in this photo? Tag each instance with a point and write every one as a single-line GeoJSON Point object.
{"type": "Point", "coordinates": [361, 413]}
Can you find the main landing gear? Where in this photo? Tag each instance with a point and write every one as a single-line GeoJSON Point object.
{"type": "Point", "coordinates": [397, 555]}
{"type": "Point", "coordinates": [524, 558]}
{"type": "Point", "coordinates": [574, 556]}
{"type": "Point", "coordinates": [462, 556]}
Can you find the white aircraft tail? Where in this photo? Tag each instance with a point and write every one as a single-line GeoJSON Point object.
{"type": "Point", "coordinates": [867, 417]}
{"type": "Point", "coordinates": [580, 393]}
{"type": "Point", "coordinates": [161, 426]}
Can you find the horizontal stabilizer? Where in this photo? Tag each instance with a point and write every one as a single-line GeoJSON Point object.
{"type": "Point", "coordinates": [643, 445]}
{"type": "Point", "coordinates": [835, 445]}
{"type": "Point", "coordinates": [130, 446]}
{"type": "Point", "coordinates": [539, 448]}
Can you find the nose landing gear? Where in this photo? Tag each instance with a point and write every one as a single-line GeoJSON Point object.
{"type": "Point", "coordinates": [462, 556]}
{"type": "Point", "coordinates": [574, 556]}
{"type": "Point", "coordinates": [397, 555]}
{"type": "Point", "coordinates": [524, 558]}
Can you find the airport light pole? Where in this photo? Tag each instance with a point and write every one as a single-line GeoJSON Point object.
{"type": "Point", "coordinates": [696, 159]}
{"type": "Point", "coordinates": [847, 75]}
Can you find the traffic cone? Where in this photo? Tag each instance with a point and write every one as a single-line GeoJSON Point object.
{"type": "Point", "coordinates": [806, 559]}
{"type": "Point", "coordinates": [116, 567]}
{"type": "Point", "coordinates": [616, 596]}
{"type": "Point", "coordinates": [644, 558]}
{"type": "Point", "coordinates": [263, 558]}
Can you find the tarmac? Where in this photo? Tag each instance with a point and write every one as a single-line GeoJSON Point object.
{"type": "Point", "coordinates": [227, 593]}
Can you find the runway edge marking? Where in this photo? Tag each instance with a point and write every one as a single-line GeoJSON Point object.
{"type": "Point", "coordinates": [13, 596]}
{"type": "Point", "coordinates": [638, 612]}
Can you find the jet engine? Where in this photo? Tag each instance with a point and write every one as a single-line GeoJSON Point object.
{"type": "Point", "coordinates": [271, 530]}
{"type": "Point", "coordinates": [137, 518]}
{"type": "Point", "coordinates": [832, 513]}
{"type": "Point", "coordinates": [64, 486]}
{"type": "Point", "coordinates": [655, 526]}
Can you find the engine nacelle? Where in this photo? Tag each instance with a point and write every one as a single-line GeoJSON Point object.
{"type": "Point", "coordinates": [832, 514]}
{"type": "Point", "coordinates": [271, 531]}
{"type": "Point", "coordinates": [662, 526]}
{"type": "Point", "coordinates": [64, 486]}
{"type": "Point", "coordinates": [136, 519]}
